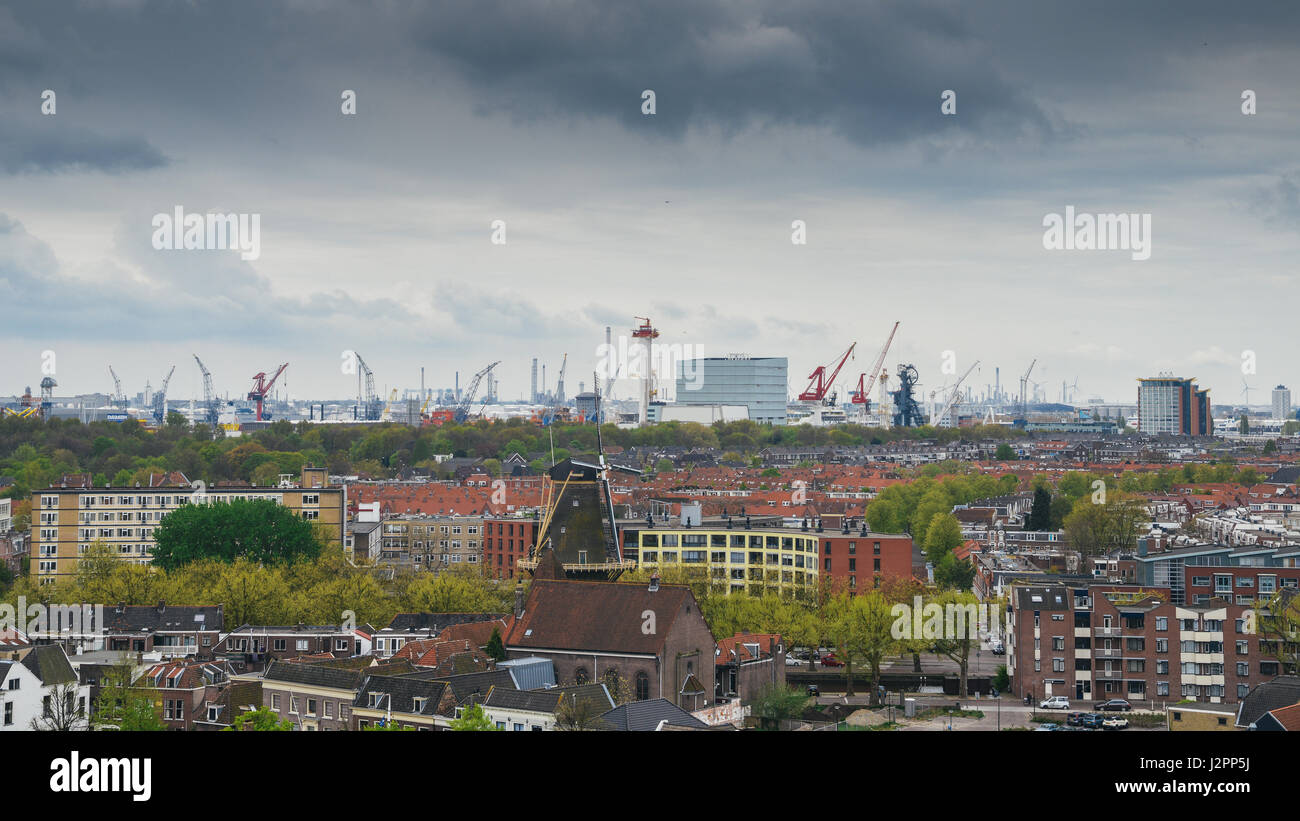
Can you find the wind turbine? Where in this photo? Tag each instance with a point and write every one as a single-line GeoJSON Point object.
{"type": "Point", "coordinates": [1245, 390]}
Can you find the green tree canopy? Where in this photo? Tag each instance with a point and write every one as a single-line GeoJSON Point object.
{"type": "Point", "coordinates": [259, 530]}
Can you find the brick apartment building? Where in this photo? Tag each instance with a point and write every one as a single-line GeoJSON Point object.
{"type": "Point", "coordinates": [1098, 642]}
{"type": "Point", "coordinates": [506, 540]}
{"type": "Point", "coordinates": [863, 560]}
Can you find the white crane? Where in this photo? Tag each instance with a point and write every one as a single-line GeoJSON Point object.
{"type": "Point", "coordinates": [942, 417]}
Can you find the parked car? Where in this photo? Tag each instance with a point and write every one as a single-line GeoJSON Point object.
{"type": "Point", "coordinates": [1055, 703]}
{"type": "Point", "coordinates": [1093, 721]}
{"type": "Point", "coordinates": [997, 647]}
{"type": "Point", "coordinates": [1047, 728]}
{"type": "Point", "coordinates": [829, 660]}
{"type": "Point", "coordinates": [814, 690]}
{"type": "Point", "coordinates": [1114, 723]}
{"type": "Point", "coordinates": [1115, 705]}
{"type": "Point", "coordinates": [1075, 719]}
{"type": "Point", "coordinates": [791, 661]}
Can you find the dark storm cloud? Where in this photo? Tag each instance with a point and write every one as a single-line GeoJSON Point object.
{"type": "Point", "coordinates": [871, 72]}
{"type": "Point", "coordinates": [25, 150]}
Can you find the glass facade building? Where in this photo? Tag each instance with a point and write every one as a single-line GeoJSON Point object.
{"type": "Point", "coordinates": [760, 383]}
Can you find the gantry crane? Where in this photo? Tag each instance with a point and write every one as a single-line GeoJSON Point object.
{"type": "Point", "coordinates": [818, 386]}
{"type": "Point", "coordinates": [867, 381]}
{"type": "Point", "coordinates": [262, 387]}
{"type": "Point", "coordinates": [370, 408]}
{"type": "Point", "coordinates": [211, 409]}
{"type": "Point", "coordinates": [160, 399]}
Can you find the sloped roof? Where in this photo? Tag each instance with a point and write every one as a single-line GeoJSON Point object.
{"type": "Point", "coordinates": [314, 675]}
{"type": "Point", "coordinates": [1283, 691]}
{"type": "Point", "coordinates": [646, 716]}
{"type": "Point", "coordinates": [402, 692]}
{"type": "Point", "coordinates": [548, 701]}
{"type": "Point", "coordinates": [405, 622]}
{"type": "Point", "coordinates": [150, 618]}
{"type": "Point", "coordinates": [608, 616]}
{"type": "Point", "coordinates": [50, 664]}
{"type": "Point", "coordinates": [1287, 717]}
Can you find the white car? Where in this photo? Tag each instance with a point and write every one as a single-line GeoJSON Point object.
{"type": "Point", "coordinates": [791, 661]}
{"type": "Point", "coordinates": [1055, 703]}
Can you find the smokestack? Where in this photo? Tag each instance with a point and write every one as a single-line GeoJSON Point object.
{"type": "Point", "coordinates": [533, 399]}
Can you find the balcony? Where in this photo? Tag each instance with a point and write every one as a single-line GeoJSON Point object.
{"type": "Point", "coordinates": [1111, 653]}
{"type": "Point", "coordinates": [1105, 631]}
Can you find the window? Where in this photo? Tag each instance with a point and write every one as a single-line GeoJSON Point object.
{"type": "Point", "coordinates": [275, 702]}
{"type": "Point", "coordinates": [311, 706]}
{"type": "Point", "coordinates": [642, 686]}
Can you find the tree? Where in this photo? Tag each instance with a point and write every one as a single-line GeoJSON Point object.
{"type": "Point", "coordinates": [664, 466]}
{"type": "Point", "coordinates": [1002, 679]}
{"type": "Point", "coordinates": [1270, 447]}
{"type": "Point", "coordinates": [473, 719]}
{"type": "Point", "coordinates": [260, 720]}
{"type": "Point", "coordinates": [1243, 425]}
{"type": "Point", "coordinates": [62, 711]}
{"type": "Point", "coordinates": [575, 714]}
{"type": "Point", "coordinates": [1004, 453]}
{"type": "Point", "coordinates": [957, 646]}
{"type": "Point", "coordinates": [259, 529]}
{"type": "Point", "coordinates": [496, 648]}
{"type": "Point", "coordinates": [942, 536]}
{"type": "Point", "coordinates": [776, 703]}
{"type": "Point", "coordinates": [1278, 625]}
{"type": "Point", "coordinates": [120, 706]}
{"type": "Point", "coordinates": [862, 629]}
{"type": "Point", "coordinates": [1096, 529]}
{"type": "Point", "coordinates": [1040, 515]}
{"type": "Point", "coordinates": [952, 573]}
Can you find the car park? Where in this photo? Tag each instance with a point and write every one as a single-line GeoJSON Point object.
{"type": "Point", "coordinates": [1115, 705]}
{"type": "Point", "coordinates": [1055, 703]}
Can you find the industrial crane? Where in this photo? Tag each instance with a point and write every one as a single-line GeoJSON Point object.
{"type": "Point", "coordinates": [818, 386]}
{"type": "Point", "coordinates": [1024, 383]}
{"type": "Point", "coordinates": [867, 381]}
{"type": "Point", "coordinates": [160, 399]}
{"type": "Point", "coordinates": [367, 398]}
{"type": "Point", "coordinates": [941, 417]}
{"type": "Point", "coordinates": [467, 399]}
{"type": "Point", "coordinates": [211, 412]}
{"type": "Point", "coordinates": [262, 387]}
{"type": "Point", "coordinates": [558, 399]}
{"type": "Point", "coordinates": [119, 398]}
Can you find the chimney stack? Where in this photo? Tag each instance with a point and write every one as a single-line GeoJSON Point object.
{"type": "Point", "coordinates": [519, 598]}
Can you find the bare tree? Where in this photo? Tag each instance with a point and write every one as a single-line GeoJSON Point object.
{"type": "Point", "coordinates": [62, 712]}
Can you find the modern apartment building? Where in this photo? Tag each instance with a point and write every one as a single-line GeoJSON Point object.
{"type": "Point", "coordinates": [1098, 642]}
{"type": "Point", "coordinates": [69, 516]}
{"type": "Point", "coordinates": [779, 559]}
{"type": "Point", "coordinates": [761, 383]}
{"type": "Point", "coordinates": [1281, 402]}
{"type": "Point", "coordinates": [1171, 404]}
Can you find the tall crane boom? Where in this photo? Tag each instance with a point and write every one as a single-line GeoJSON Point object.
{"type": "Point", "coordinates": [262, 386]}
{"type": "Point", "coordinates": [467, 399]}
{"type": "Point", "coordinates": [952, 399]}
{"type": "Point", "coordinates": [867, 381]}
{"type": "Point", "coordinates": [818, 385]}
{"type": "Point", "coordinates": [1024, 383]}
{"type": "Point", "coordinates": [119, 398]}
{"type": "Point", "coordinates": [210, 411]}
{"type": "Point", "coordinates": [367, 398]}
{"type": "Point", "coordinates": [160, 399]}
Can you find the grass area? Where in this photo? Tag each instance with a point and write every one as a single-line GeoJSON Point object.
{"type": "Point", "coordinates": [888, 725]}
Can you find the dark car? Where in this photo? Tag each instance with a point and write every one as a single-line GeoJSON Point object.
{"type": "Point", "coordinates": [1115, 705]}
{"type": "Point", "coordinates": [1092, 721]}
{"type": "Point", "coordinates": [814, 690]}
{"type": "Point", "coordinates": [1075, 719]}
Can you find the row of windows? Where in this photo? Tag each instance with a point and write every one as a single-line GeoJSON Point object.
{"type": "Point", "coordinates": [728, 540]}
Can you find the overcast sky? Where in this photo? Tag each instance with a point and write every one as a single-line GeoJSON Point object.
{"type": "Point", "coordinates": [376, 228]}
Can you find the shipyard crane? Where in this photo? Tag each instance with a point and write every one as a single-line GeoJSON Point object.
{"type": "Point", "coordinates": [941, 417]}
{"type": "Point", "coordinates": [819, 385]}
{"type": "Point", "coordinates": [211, 411]}
{"type": "Point", "coordinates": [367, 399]}
{"type": "Point", "coordinates": [1024, 384]}
{"type": "Point", "coordinates": [467, 399]}
{"type": "Point", "coordinates": [119, 398]}
{"type": "Point", "coordinates": [262, 387]}
{"type": "Point", "coordinates": [558, 399]}
{"type": "Point", "coordinates": [160, 399]}
{"type": "Point", "coordinates": [867, 381]}
{"type": "Point", "coordinates": [387, 414]}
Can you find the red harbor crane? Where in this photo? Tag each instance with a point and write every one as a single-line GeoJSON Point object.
{"type": "Point", "coordinates": [819, 385]}
{"type": "Point", "coordinates": [262, 386]}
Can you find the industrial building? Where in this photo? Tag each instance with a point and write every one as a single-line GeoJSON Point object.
{"type": "Point", "coordinates": [759, 383]}
{"type": "Point", "coordinates": [1171, 404]}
